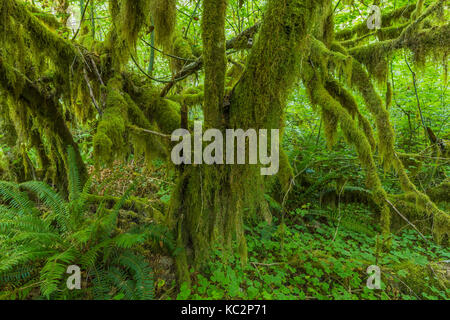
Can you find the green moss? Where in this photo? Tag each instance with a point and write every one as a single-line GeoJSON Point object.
{"type": "Point", "coordinates": [189, 97]}
{"type": "Point", "coordinates": [215, 212]}
{"type": "Point", "coordinates": [389, 94]}
{"type": "Point", "coordinates": [402, 13]}
{"type": "Point", "coordinates": [440, 193]}
{"type": "Point", "coordinates": [347, 101]}
{"type": "Point", "coordinates": [129, 16]}
{"type": "Point", "coordinates": [215, 61]}
{"type": "Point", "coordinates": [355, 136]}
{"type": "Point", "coordinates": [391, 32]}
{"type": "Point", "coordinates": [420, 279]}
{"type": "Point", "coordinates": [110, 139]}
{"type": "Point", "coordinates": [386, 136]}
{"type": "Point", "coordinates": [40, 39]}
{"type": "Point", "coordinates": [163, 13]}
{"type": "Point", "coordinates": [181, 48]}
{"type": "Point", "coordinates": [164, 112]}
{"type": "Point", "coordinates": [422, 204]}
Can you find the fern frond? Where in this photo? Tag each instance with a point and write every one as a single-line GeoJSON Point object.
{"type": "Point", "coordinates": [128, 240]}
{"type": "Point", "coordinates": [14, 259]}
{"type": "Point", "coordinates": [20, 273]}
{"type": "Point", "coordinates": [53, 271]}
{"type": "Point", "coordinates": [18, 200]}
{"type": "Point", "coordinates": [119, 279]}
{"type": "Point", "coordinates": [101, 286]}
{"type": "Point", "coordinates": [89, 258]}
{"type": "Point", "coordinates": [142, 273]}
{"type": "Point", "coordinates": [51, 199]}
{"type": "Point", "coordinates": [25, 224]}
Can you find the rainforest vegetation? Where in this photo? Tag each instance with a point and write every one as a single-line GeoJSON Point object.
{"type": "Point", "coordinates": [91, 91]}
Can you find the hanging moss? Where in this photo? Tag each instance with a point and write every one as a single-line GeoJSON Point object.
{"type": "Point", "coordinates": [389, 94]}
{"type": "Point", "coordinates": [319, 95]}
{"type": "Point", "coordinates": [147, 144]}
{"type": "Point", "coordinates": [215, 212]}
{"type": "Point", "coordinates": [440, 193]}
{"type": "Point", "coordinates": [33, 102]}
{"type": "Point", "coordinates": [109, 141]}
{"type": "Point", "coordinates": [362, 83]}
{"type": "Point", "coordinates": [330, 122]}
{"type": "Point", "coordinates": [347, 101]}
{"type": "Point", "coordinates": [181, 48]}
{"type": "Point", "coordinates": [41, 39]}
{"type": "Point", "coordinates": [391, 32]}
{"type": "Point", "coordinates": [164, 112]}
{"type": "Point", "coordinates": [163, 14]}
{"type": "Point", "coordinates": [434, 40]}
{"type": "Point", "coordinates": [129, 16]}
{"type": "Point", "coordinates": [386, 136]}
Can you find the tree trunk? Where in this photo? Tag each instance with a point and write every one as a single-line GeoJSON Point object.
{"type": "Point", "coordinates": [211, 202]}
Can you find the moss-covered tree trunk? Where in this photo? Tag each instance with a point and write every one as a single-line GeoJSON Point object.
{"type": "Point", "coordinates": [211, 202]}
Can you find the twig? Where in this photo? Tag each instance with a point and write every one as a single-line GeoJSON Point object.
{"type": "Point", "coordinates": [91, 93]}
{"type": "Point", "coordinates": [156, 133]}
{"type": "Point", "coordinates": [417, 98]}
{"type": "Point", "coordinates": [192, 17]}
{"type": "Point", "coordinates": [166, 54]}
{"type": "Point", "coordinates": [409, 222]}
{"type": "Point", "coordinates": [146, 74]}
{"type": "Point", "coordinates": [81, 20]}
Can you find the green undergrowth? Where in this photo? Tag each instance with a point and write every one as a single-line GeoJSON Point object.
{"type": "Point", "coordinates": [325, 258]}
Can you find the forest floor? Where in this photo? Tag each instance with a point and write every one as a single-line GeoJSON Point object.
{"type": "Point", "coordinates": [317, 253]}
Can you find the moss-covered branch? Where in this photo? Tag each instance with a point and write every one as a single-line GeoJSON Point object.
{"type": "Point", "coordinates": [387, 20]}
{"type": "Point", "coordinates": [215, 61]}
{"type": "Point", "coordinates": [43, 106]}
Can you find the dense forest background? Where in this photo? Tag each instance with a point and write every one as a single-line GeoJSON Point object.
{"type": "Point", "coordinates": [90, 92]}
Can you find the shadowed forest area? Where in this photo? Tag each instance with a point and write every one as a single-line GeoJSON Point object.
{"type": "Point", "coordinates": [93, 207]}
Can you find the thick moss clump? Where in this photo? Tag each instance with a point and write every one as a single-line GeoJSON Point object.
{"type": "Point", "coordinates": [129, 16]}
{"type": "Point", "coordinates": [109, 141]}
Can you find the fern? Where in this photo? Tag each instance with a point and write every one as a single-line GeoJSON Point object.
{"type": "Point", "coordinates": [51, 199]}
{"type": "Point", "coordinates": [21, 273]}
{"type": "Point", "coordinates": [118, 279]}
{"type": "Point", "coordinates": [142, 274]}
{"type": "Point", "coordinates": [39, 242]}
{"type": "Point", "coordinates": [54, 270]}
{"type": "Point", "coordinates": [17, 200]}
